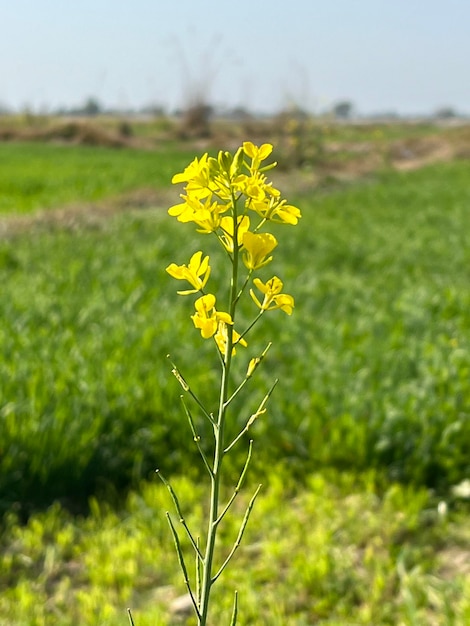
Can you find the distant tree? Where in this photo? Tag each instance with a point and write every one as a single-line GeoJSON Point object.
{"type": "Point", "coordinates": [196, 120]}
{"type": "Point", "coordinates": [157, 110]}
{"type": "Point", "coordinates": [343, 109]}
{"type": "Point", "coordinates": [445, 113]}
{"type": "Point", "coordinates": [91, 107]}
{"type": "Point", "coordinates": [239, 113]}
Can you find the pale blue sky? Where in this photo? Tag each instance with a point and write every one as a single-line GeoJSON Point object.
{"type": "Point", "coordinates": [408, 56]}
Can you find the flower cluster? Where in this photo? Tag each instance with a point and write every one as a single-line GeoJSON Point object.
{"type": "Point", "coordinates": [231, 197]}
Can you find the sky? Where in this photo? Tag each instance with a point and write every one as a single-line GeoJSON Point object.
{"type": "Point", "coordinates": [403, 56]}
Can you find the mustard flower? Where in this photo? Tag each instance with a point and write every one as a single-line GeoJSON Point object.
{"type": "Point", "coordinates": [275, 210]}
{"type": "Point", "coordinates": [193, 209]}
{"type": "Point", "coordinates": [256, 248]}
{"type": "Point", "coordinates": [210, 220]}
{"type": "Point", "coordinates": [285, 213]}
{"type": "Point", "coordinates": [196, 273]}
{"type": "Point", "coordinates": [227, 226]}
{"type": "Point", "coordinates": [221, 338]}
{"type": "Point", "coordinates": [257, 154]}
{"type": "Point", "coordinates": [255, 187]}
{"type": "Point", "coordinates": [196, 175]}
{"type": "Point", "coordinates": [273, 298]}
{"type": "Point", "coordinates": [206, 317]}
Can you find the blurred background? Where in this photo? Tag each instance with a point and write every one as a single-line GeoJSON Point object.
{"type": "Point", "coordinates": [364, 452]}
{"type": "Point", "coordinates": [381, 58]}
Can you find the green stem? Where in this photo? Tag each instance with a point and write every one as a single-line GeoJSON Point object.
{"type": "Point", "coordinates": [214, 498]}
{"type": "Point", "coordinates": [219, 428]}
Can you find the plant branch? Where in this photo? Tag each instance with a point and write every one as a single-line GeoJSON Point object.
{"type": "Point", "coordinates": [237, 543]}
{"type": "Point", "coordinates": [233, 621]}
{"type": "Point", "coordinates": [196, 437]}
{"type": "Point", "coordinates": [254, 417]}
{"type": "Point", "coordinates": [239, 484]}
{"type": "Point", "coordinates": [257, 361]}
{"type": "Point", "coordinates": [247, 330]}
{"type": "Point", "coordinates": [180, 514]}
{"type": "Point", "coordinates": [177, 374]}
{"type": "Point", "coordinates": [179, 552]}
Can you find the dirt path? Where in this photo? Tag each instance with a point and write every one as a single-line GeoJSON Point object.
{"type": "Point", "coordinates": [87, 213]}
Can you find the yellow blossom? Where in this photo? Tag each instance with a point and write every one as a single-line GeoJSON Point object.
{"type": "Point", "coordinates": [187, 210]}
{"type": "Point", "coordinates": [273, 298]}
{"type": "Point", "coordinates": [257, 154]}
{"type": "Point", "coordinates": [206, 317]}
{"type": "Point", "coordinates": [221, 338]}
{"type": "Point", "coordinates": [227, 226]}
{"type": "Point", "coordinates": [256, 248]}
{"type": "Point", "coordinates": [276, 210]}
{"type": "Point", "coordinates": [255, 187]}
{"type": "Point", "coordinates": [285, 213]}
{"type": "Point", "coordinates": [196, 273]}
{"type": "Point", "coordinates": [196, 174]}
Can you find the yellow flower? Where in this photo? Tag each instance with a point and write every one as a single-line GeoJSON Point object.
{"type": "Point", "coordinates": [221, 338]}
{"type": "Point", "coordinates": [227, 226]}
{"type": "Point", "coordinates": [197, 172]}
{"type": "Point", "coordinates": [276, 210]}
{"type": "Point", "coordinates": [255, 187]}
{"type": "Point", "coordinates": [211, 220]}
{"type": "Point", "coordinates": [206, 317]}
{"type": "Point", "coordinates": [257, 248]}
{"type": "Point", "coordinates": [285, 213]}
{"type": "Point", "coordinates": [257, 154]}
{"type": "Point", "coordinates": [204, 212]}
{"type": "Point", "coordinates": [196, 273]}
{"type": "Point", "coordinates": [273, 298]}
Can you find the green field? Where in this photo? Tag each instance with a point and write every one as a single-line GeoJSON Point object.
{"type": "Point", "coordinates": [43, 176]}
{"type": "Point", "coordinates": [374, 391]}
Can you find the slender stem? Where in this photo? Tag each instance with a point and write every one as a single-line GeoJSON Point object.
{"type": "Point", "coordinates": [198, 574]}
{"type": "Point", "coordinates": [238, 540]}
{"type": "Point", "coordinates": [177, 374]}
{"type": "Point", "coordinates": [233, 621]}
{"type": "Point", "coordinates": [179, 552]}
{"type": "Point", "coordinates": [180, 514]}
{"type": "Point", "coordinates": [247, 330]}
{"type": "Point", "coordinates": [243, 287]}
{"type": "Point", "coordinates": [219, 428]}
{"type": "Point", "coordinates": [196, 437]}
{"type": "Point", "coordinates": [261, 409]}
{"type": "Point", "coordinates": [129, 615]}
{"type": "Point", "coordinates": [214, 498]}
{"type": "Point", "coordinates": [239, 484]}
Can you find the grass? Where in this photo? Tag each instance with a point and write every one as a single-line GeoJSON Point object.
{"type": "Point", "coordinates": [374, 364]}
{"type": "Point", "coordinates": [374, 368]}
{"type": "Point", "coordinates": [366, 559]}
{"type": "Point", "coordinates": [39, 176]}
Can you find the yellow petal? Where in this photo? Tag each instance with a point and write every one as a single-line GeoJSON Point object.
{"type": "Point", "coordinates": [264, 151]}
{"type": "Point", "coordinates": [249, 149]}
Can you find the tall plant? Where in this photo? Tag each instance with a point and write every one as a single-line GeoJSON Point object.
{"type": "Point", "coordinates": [230, 198]}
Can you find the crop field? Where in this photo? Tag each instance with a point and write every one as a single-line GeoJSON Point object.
{"type": "Point", "coordinates": [39, 176]}
{"type": "Point", "coordinates": [366, 442]}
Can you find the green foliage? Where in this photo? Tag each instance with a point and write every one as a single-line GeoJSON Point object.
{"type": "Point", "coordinates": [364, 560]}
{"type": "Point", "coordinates": [374, 363]}
{"type": "Point", "coordinates": [381, 376]}
{"type": "Point", "coordinates": [39, 176]}
{"type": "Point", "coordinates": [86, 327]}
